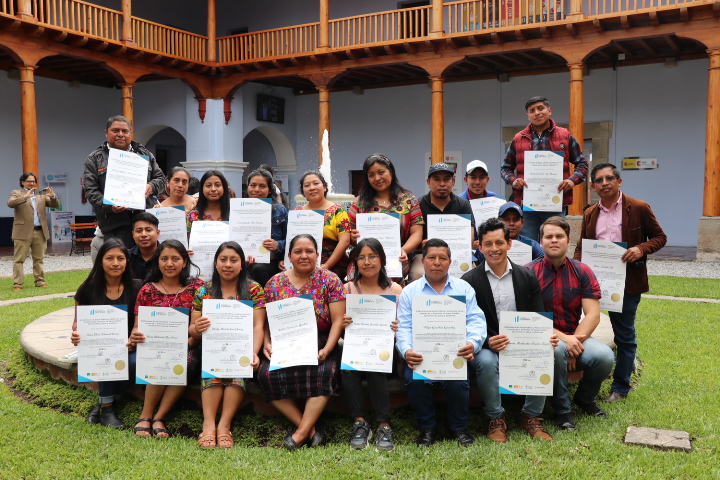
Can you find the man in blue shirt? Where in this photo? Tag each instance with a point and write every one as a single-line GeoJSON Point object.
{"type": "Point", "coordinates": [436, 281]}
{"type": "Point", "coordinates": [476, 178]}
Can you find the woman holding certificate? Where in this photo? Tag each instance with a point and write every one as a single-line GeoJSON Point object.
{"type": "Point", "coordinates": [316, 383]}
{"type": "Point", "coordinates": [231, 281]}
{"type": "Point", "coordinates": [382, 192]}
{"type": "Point", "coordinates": [214, 199]}
{"type": "Point", "coordinates": [169, 285]}
{"type": "Point", "coordinates": [110, 283]}
{"type": "Point", "coordinates": [260, 185]}
{"type": "Point", "coordinates": [336, 232]}
{"type": "Point", "coordinates": [177, 185]}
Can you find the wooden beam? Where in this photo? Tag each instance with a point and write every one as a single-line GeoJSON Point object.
{"type": "Point", "coordinates": [624, 49]}
{"type": "Point", "coordinates": [684, 14]}
{"type": "Point", "coordinates": [323, 119]}
{"type": "Point", "coordinates": [497, 40]}
{"type": "Point", "coordinates": [438, 21]}
{"type": "Point", "coordinates": [654, 18]}
{"type": "Point", "coordinates": [298, 61]}
{"type": "Point", "coordinates": [520, 35]}
{"type": "Point", "coordinates": [211, 31]}
{"type": "Point", "coordinates": [392, 49]}
{"type": "Point", "coordinates": [28, 118]}
{"type": "Point", "coordinates": [577, 128]}
{"type": "Point", "coordinates": [78, 41]}
{"type": "Point", "coordinates": [711, 191]}
{"type": "Point", "coordinates": [625, 22]}
{"type": "Point", "coordinates": [438, 120]}
{"type": "Point", "coordinates": [546, 32]}
{"type": "Point", "coordinates": [127, 37]}
{"type": "Point", "coordinates": [409, 47]}
{"type": "Point", "coordinates": [647, 46]}
{"type": "Point", "coordinates": [671, 41]}
{"type": "Point", "coordinates": [571, 29]}
{"type": "Point", "coordinates": [127, 101]}
{"type": "Point", "coordinates": [324, 34]}
{"type": "Point", "coordinates": [598, 25]}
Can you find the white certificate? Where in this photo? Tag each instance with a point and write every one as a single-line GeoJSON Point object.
{"type": "Point", "coordinates": [304, 221]}
{"type": "Point", "coordinates": [227, 345]}
{"type": "Point", "coordinates": [205, 238]}
{"type": "Point", "coordinates": [456, 230]}
{"type": "Point", "coordinates": [605, 259]}
{"type": "Point", "coordinates": [520, 252]}
{"type": "Point", "coordinates": [293, 331]}
{"type": "Point", "coordinates": [126, 180]}
{"type": "Point", "coordinates": [162, 358]}
{"type": "Point", "coordinates": [250, 226]}
{"type": "Point", "coordinates": [438, 332]}
{"type": "Point", "coordinates": [384, 227]}
{"type": "Point", "coordinates": [485, 208]}
{"type": "Point", "coordinates": [102, 351]}
{"type": "Point", "coordinates": [527, 363]}
{"type": "Point", "coordinates": [172, 223]}
{"type": "Point", "coordinates": [543, 174]}
{"type": "Point", "coordinates": [369, 340]}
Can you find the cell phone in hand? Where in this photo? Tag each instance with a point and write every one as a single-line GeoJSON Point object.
{"type": "Point", "coordinates": [42, 191]}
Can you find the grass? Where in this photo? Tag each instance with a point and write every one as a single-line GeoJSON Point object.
{"type": "Point", "coordinates": [685, 287]}
{"type": "Point", "coordinates": [58, 282]}
{"type": "Point", "coordinates": [677, 390]}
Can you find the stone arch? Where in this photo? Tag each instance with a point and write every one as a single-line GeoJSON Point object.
{"type": "Point", "coordinates": [284, 152]}
{"type": "Point", "coordinates": [170, 149]}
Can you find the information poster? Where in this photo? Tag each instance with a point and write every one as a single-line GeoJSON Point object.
{"type": "Point", "coordinates": [384, 227]}
{"type": "Point", "coordinates": [527, 362]}
{"type": "Point", "coordinates": [251, 225]}
{"type": "Point", "coordinates": [102, 351]}
{"type": "Point", "coordinates": [543, 174]}
{"type": "Point", "coordinates": [227, 345]}
{"type": "Point", "coordinates": [456, 230]}
{"type": "Point", "coordinates": [126, 180]}
{"type": "Point", "coordinates": [205, 238]}
{"type": "Point", "coordinates": [369, 339]}
{"type": "Point", "coordinates": [293, 332]}
{"type": "Point", "coordinates": [172, 223]}
{"type": "Point", "coordinates": [605, 259]}
{"type": "Point", "coordinates": [60, 226]}
{"type": "Point", "coordinates": [162, 357]}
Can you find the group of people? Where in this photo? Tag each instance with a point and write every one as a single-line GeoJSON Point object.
{"type": "Point", "coordinates": [163, 275]}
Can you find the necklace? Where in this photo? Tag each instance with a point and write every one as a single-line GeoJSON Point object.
{"type": "Point", "coordinates": [167, 292]}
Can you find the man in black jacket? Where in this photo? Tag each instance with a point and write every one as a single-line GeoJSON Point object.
{"type": "Point", "coordinates": [502, 286]}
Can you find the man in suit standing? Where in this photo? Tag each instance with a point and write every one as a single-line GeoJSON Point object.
{"type": "Point", "coordinates": [30, 231]}
{"type": "Point", "coordinates": [502, 286]}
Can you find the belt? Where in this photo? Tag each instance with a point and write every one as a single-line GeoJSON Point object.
{"type": "Point", "coordinates": [37, 228]}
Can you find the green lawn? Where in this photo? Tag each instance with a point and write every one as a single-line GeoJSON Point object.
{"type": "Point", "coordinates": [58, 282]}
{"type": "Point", "coordinates": [685, 287]}
{"type": "Point", "coordinates": [677, 390]}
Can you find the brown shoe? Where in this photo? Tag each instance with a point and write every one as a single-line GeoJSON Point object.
{"type": "Point", "coordinates": [533, 426]}
{"type": "Point", "coordinates": [497, 429]}
{"type": "Point", "coordinates": [17, 288]}
{"type": "Point", "coordinates": [615, 397]}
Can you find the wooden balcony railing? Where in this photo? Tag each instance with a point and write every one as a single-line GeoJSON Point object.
{"type": "Point", "coordinates": [78, 16]}
{"type": "Point", "coordinates": [268, 43]}
{"type": "Point", "coordinates": [606, 7]}
{"type": "Point", "coordinates": [383, 27]}
{"type": "Point", "coordinates": [168, 40]}
{"type": "Point", "coordinates": [468, 16]}
{"type": "Point", "coordinates": [7, 7]}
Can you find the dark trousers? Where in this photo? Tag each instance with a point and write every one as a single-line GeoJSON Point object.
{"type": "Point", "coordinates": [377, 388]}
{"type": "Point", "coordinates": [623, 324]}
{"type": "Point", "coordinates": [108, 390]}
{"type": "Point", "coordinates": [262, 272]}
{"type": "Point", "coordinates": [457, 398]}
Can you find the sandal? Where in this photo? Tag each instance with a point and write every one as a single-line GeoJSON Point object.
{"type": "Point", "coordinates": [160, 432]}
{"type": "Point", "coordinates": [207, 440]}
{"type": "Point", "coordinates": [142, 431]}
{"type": "Point", "coordinates": [225, 440]}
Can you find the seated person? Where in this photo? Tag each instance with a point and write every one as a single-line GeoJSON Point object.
{"type": "Point", "coordinates": [145, 233]}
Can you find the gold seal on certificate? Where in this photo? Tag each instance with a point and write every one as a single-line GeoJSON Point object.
{"type": "Point", "coordinates": [615, 297]}
{"type": "Point", "coordinates": [458, 362]}
{"type": "Point", "coordinates": [119, 365]}
{"type": "Point", "coordinates": [556, 199]}
{"type": "Point", "coordinates": [244, 361]}
{"type": "Point", "coordinates": [384, 355]}
{"type": "Point", "coordinates": [263, 249]}
{"type": "Point", "coordinates": [464, 267]}
{"type": "Point", "coordinates": [545, 379]}
{"type": "Point", "coordinates": [178, 369]}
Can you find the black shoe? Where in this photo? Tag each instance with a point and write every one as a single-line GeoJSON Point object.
{"type": "Point", "coordinates": [360, 435]}
{"type": "Point", "coordinates": [591, 409]}
{"type": "Point", "coordinates": [565, 421]}
{"type": "Point", "coordinates": [463, 437]}
{"type": "Point", "coordinates": [319, 434]}
{"type": "Point", "coordinates": [384, 439]}
{"type": "Point", "coordinates": [94, 415]}
{"type": "Point", "coordinates": [290, 444]}
{"type": "Point", "coordinates": [109, 418]}
{"type": "Point", "coordinates": [427, 437]}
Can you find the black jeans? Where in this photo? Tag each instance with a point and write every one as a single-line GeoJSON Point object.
{"type": "Point", "coordinates": [355, 396]}
{"type": "Point", "coordinates": [262, 272]}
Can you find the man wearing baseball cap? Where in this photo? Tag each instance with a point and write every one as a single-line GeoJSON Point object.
{"type": "Point", "coordinates": [511, 215]}
{"type": "Point", "coordinates": [476, 178]}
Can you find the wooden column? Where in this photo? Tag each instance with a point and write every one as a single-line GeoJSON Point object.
{"type": "Point", "coordinates": [212, 31]}
{"type": "Point", "coordinates": [711, 195]}
{"type": "Point", "coordinates": [577, 128]}
{"type": "Point", "coordinates": [438, 119]}
{"type": "Point", "coordinates": [438, 22]}
{"type": "Point", "coordinates": [576, 7]}
{"type": "Point", "coordinates": [28, 119]}
{"type": "Point", "coordinates": [324, 119]}
{"type": "Point", "coordinates": [127, 102]}
{"type": "Point", "coordinates": [324, 40]}
{"type": "Point", "coordinates": [24, 10]}
{"type": "Point", "coordinates": [127, 34]}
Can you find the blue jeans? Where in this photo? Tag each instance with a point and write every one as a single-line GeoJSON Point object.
{"type": "Point", "coordinates": [596, 361]}
{"type": "Point", "coordinates": [623, 324]}
{"type": "Point", "coordinates": [488, 380]}
{"type": "Point", "coordinates": [457, 398]}
{"type": "Point", "coordinates": [533, 220]}
{"type": "Point", "coordinates": [108, 390]}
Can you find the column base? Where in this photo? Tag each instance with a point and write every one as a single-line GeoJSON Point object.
{"type": "Point", "coordinates": [575, 222]}
{"type": "Point", "coordinates": [708, 248]}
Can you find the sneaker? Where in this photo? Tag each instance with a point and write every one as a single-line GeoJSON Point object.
{"type": "Point", "coordinates": [497, 429]}
{"type": "Point", "coordinates": [360, 435]}
{"type": "Point", "coordinates": [384, 439]}
{"type": "Point", "coordinates": [592, 409]}
{"type": "Point", "coordinates": [533, 426]}
{"type": "Point", "coordinates": [565, 421]}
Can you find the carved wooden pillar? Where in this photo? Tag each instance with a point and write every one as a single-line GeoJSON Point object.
{"type": "Point", "coordinates": [577, 128]}
{"type": "Point", "coordinates": [324, 34]}
{"type": "Point", "coordinates": [24, 11]}
{"type": "Point", "coordinates": [438, 119]}
{"type": "Point", "coordinates": [127, 102]}
{"type": "Point", "coordinates": [127, 33]}
{"type": "Point", "coordinates": [438, 22]}
{"type": "Point", "coordinates": [324, 119]}
{"type": "Point", "coordinates": [212, 31]}
{"type": "Point", "coordinates": [576, 7]}
{"type": "Point", "coordinates": [28, 120]}
{"type": "Point", "coordinates": [711, 195]}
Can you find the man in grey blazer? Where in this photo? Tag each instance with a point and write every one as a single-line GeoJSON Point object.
{"type": "Point", "coordinates": [501, 286]}
{"type": "Point", "coordinates": [30, 230]}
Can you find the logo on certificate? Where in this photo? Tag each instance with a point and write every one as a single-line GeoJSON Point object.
{"type": "Point", "coordinates": [545, 379]}
{"type": "Point", "coordinates": [119, 365]}
{"type": "Point", "coordinates": [556, 199]}
{"type": "Point", "coordinates": [458, 362]}
{"type": "Point", "coordinates": [178, 369]}
{"type": "Point", "coordinates": [384, 355]}
{"type": "Point", "coordinates": [244, 361]}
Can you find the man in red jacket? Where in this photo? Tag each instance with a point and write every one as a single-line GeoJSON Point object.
{"type": "Point", "coordinates": [620, 218]}
{"type": "Point", "coordinates": [542, 134]}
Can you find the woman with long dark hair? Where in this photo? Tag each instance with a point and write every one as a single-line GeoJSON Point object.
{"type": "Point", "coordinates": [178, 182]}
{"type": "Point", "coordinates": [213, 201]}
{"type": "Point", "coordinates": [110, 282]}
{"type": "Point", "coordinates": [169, 284]}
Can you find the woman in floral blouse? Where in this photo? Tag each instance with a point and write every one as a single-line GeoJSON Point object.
{"type": "Point", "coordinates": [213, 201]}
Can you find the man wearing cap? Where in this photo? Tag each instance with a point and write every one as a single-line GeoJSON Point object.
{"type": "Point", "coordinates": [542, 134]}
{"type": "Point", "coordinates": [440, 201]}
{"type": "Point", "coordinates": [476, 178]}
{"type": "Point", "coordinates": [620, 218]}
{"type": "Point", "coordinates": [512, 215]}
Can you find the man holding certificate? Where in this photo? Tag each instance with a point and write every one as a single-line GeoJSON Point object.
{"type": "Point", "coordinates": [620, 218]}
{"type": "Point", "coordinates": [569, 288]}
{"type": "Point", "coordinates": [114, 220]}
{"type": "Point", "coordinates": [542, 134]}
{"type": "Point", "coordinates": [502, 286]}
{"type": "Point", "coordinates": [438, 283]}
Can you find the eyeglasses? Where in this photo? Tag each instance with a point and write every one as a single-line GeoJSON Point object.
{"type": "Point", "coordinates": [608, 179]}
{"type": "Point", "coordinates": [370, 258]}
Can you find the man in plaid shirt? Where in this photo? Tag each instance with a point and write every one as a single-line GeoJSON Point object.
{"type": "Point", "coordinates": [568, 287]}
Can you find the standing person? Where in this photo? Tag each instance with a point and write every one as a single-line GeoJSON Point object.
{"type": "Point", "coordinates": [315, 384]}
{"type": "Point", "coordinates": [110, 282]}
{"type": "Point", "coordinates": [542, 134]}
{"type": "Point", "coordinates": [113, 220]}
{"type": "Point", "coordinates": [436, 281]}
{"type": "Point", "coordinates": [336, 232]}
{"type": "Point", "coordinates": [569, 288]}
{"type": "Point", "coordinates": [231, 281]}
{"type": "Point", "coordinates": [30, 231]}
{"type": "Point", "coordinates": [368, 261]}
{"type": "Point", "coordinates": [620, 218]}
{"type": "Point", "coordinates": [502, 286]}
{"type": "Point", "coordinates": [178, 182]}
{"type": "Point", "coordinates": [476, 178]}
{"type": "Point", "coordinates": [381, 192]}
{"type": "Point", "coordinates": [213, 199]}
{"type": "Point", "coordinates": [145, 234]}
{"type": "Point", "coordinates": [169, 285]}
{"type": "Point", "coordinates": [260, 185]}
